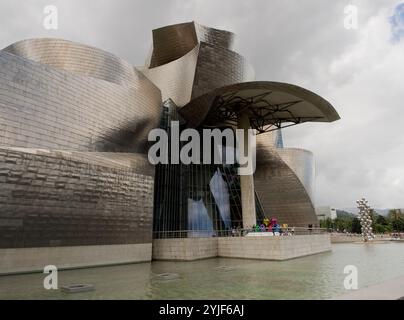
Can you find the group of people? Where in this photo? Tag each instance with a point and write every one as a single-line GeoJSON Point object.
{"type": "Point", "coordinates": [272, 225]}
{"type": "Point", "coordinates": [267, 225]}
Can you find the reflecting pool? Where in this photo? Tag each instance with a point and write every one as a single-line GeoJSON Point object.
{"type": "Point", "coordinates": [314, 277]}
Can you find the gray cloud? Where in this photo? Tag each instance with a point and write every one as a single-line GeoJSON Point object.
{"type": "Point", "coordinates": [302, 42]}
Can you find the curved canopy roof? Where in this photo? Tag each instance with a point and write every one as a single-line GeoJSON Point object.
{"type": "Point", "coordinates": [269, 105]}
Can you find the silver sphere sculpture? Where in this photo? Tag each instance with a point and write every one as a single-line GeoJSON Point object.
{"type": "Point", "coordinates": [365, 219]}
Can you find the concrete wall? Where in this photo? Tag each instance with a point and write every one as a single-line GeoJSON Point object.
{"type": "Point", "coordinates": [262, 248]}
{"type": "Point", "coordinates": [185, 249]}
{"type": "Point", "coordinates": [35, 259]}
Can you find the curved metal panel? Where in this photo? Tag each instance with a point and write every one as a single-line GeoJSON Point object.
{"type": "Point", "coordinates": [303, 165]}
{"type": "Point", "coordinates": [201, 70]}
{"type": "Point", "coordinates": [284, 182]}
{"type": "Point", "coordinates": [218, 67]}
{"type": "Point", "coordinates": [42, 107]}
{"type": "Point", "coordinates": [76, 58]}
{"type": "Point", "coordinates": [174, 41]}
{"type": "Point", "coordinates": [216, 37]}
{"type": "Point", "coordinates": [175, 79]}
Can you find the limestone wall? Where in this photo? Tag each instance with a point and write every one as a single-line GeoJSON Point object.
{"type": "Point", "coordinates": [186, 249]}
{"type": "Point", "coordinates": [273, 248]}
{"type": "Point", "coordinates": [35, 259]}
{"type": "Point", "coordinates": [263, 248]}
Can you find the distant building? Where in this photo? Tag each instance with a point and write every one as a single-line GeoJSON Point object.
{"type": "Point", "coordinates": [326, 212]}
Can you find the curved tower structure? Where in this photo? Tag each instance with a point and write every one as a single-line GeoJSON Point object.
{"type": "Point", "coordinates": [211, 86]}
{"type": "Point", "coordinates": [284, 182]}
{"type": "Point", "coordinates": [188, 60]}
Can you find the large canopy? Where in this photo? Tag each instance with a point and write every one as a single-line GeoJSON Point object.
{"type": "Point", "coordinates": [269, 106]}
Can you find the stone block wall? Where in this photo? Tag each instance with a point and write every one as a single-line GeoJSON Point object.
{"type": "Point", "coordinates": [261, 248]}
{"type": "Point", "coordinates": [68, 199]}
{"type": "Point", "coordinates": [273, 248]}
{"type": "Point", "coordinates": [185, 249]}
{"type": "Point", "coordinates": [35, 259]}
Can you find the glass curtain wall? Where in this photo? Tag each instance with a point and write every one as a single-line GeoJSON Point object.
{"type": "Point", "coordinates": [197, 199]}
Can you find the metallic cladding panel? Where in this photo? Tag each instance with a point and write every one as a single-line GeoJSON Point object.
{"type": "Point", "coordinates": [205, 67]}
{"type": "Point", "coordinates": [216, 37]}
{"type": "Point", "coordinates": [299, 160]}
{"type": "Point", "coordinates": [175, 79]}
{"type": "Point", "coordinates": [76, 58]}
{"type": "Point", "coordinates": [173, 42]}
{"type": "Point", "coordinates": [303, 165]}
{"type": "Point", "coordinates": [74, 197]}
{"type": "Point", "coordinates": [50, 198]}
{"type": "Point", "coordinates": [42, 107]}
{"type": "Point", "coordinates": [218, 67]}
{"type": "Point", "coordinates": [284, 181]}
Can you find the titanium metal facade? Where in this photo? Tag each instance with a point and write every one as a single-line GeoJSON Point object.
{"type": "Point", "coordinates": [172, 42]}
{"type": "Point", "coordinates": [189, 60]}
{"type": "Point", "coordinates": [57, 95]}
{"type": "Point", "coordinates": [74, 122]}
{"type": "Point", "coordinates": [75, 58]}
{"type": "Point", "coordinates": [284, 182]}
{"type": "Point", "coordinates": [45, 107]}
{"type": "Point", "coordinates": [53, 198]}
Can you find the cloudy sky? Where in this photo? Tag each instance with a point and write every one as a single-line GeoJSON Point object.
{"type": "Point", "coordinates": [360, 71]}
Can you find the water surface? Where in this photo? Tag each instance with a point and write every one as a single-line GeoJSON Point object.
{"type": "Point", "coordinates": [314, 277]}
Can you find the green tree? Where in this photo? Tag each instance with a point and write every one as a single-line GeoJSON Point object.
{"type": "Point", "coordinates": [381, 220]}
{"type": "Point", "coordinates": [356, 226]}
{"type": "Point", "coordinates": [395, 218]}
{"type": "Point", "coordinates": [327, 223]}
{"type": "Point", "coordinates": [398, 224]}
{"type": "Point", "coordinates": [380, 228]}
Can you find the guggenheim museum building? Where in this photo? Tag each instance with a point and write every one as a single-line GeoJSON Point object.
{"type": "Point", "coordinates": [76, 184]}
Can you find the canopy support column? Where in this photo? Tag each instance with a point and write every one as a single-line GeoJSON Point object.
{"type": "Point", "coordinates": [247, 181]}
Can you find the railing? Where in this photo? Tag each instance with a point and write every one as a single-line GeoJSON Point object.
{"type": "Point", "coordinates": [289, 231]}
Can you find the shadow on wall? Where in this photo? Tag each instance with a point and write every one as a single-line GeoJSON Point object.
{"type": "Point", "coordinates": [126, 138]}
